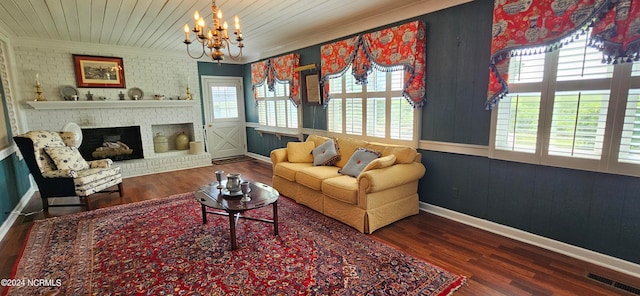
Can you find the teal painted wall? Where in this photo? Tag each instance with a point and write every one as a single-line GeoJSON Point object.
{"type": "Point", "coordinates": [595, 211]}
{"type": "Point", "coordinates": [13, 172]}
{"type": "Point", "coordinates": [215, 69]}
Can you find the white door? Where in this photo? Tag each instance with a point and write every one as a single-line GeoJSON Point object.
{"type": "Point", "coordinates": [224, 112]}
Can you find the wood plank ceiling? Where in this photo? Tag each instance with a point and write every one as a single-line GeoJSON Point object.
{"type": "Point", "coordinates": [269, 27]}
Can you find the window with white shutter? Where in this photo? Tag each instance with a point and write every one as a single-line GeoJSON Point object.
{"type": "Point", "coordinates": [275, 108]}
{"type": "Point", "coordinates": [517, 123]}
{"type": "Point", "coordinates": [518, 114]}
{"type": "Point", "coordinates": [578, 124]}
{"type": "Point", "coordinates": [375, 110]}
{"type": "Point", "coordinates": [566, 108]}
{"type": "Point", "coordinates": [630, 139]}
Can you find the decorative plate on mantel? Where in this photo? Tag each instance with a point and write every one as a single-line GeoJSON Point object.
{"type": "Point", "coordinates": [133, 92]}
{"type": "Point", "coordinates": [67, 91]}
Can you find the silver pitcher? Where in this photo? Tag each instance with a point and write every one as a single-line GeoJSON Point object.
{"type": "Point", "coordinates": [233, 182]}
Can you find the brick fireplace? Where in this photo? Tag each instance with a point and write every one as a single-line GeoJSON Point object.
{"type": "Point", "coordinates": [150, 117]}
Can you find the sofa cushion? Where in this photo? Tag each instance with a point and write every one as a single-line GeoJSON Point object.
{"type": "Point", "coordinates": [404, 154]}
{"type": "Point", "coordinates": [300, 151]}
{"type": "Point", "coordinates": [358, 161]}
{"type": "Point", "coordinates": [66, 158]}
{"type": "Point", "coordinates": [343, 188]}
{"type": "Point", "coordinates": [347, 147]}
{"type": "Point", "coordinates": [318, 140]}
{"type": "Point", "coordinates": [380, 163]}
{"type": "Point", "coordinates": [312, 177]}
{"type": "Point", "coordinates": [288, 170]}
{"type": "Point", "coordinates": [327, 153]}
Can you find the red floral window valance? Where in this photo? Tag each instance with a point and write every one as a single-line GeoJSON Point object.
{"type": "Point", "coordinates": [399, 47]}
{"type": "Point", "coordinates": [277, 69]}
{"type": "Point", "coordinates": [532, 27]}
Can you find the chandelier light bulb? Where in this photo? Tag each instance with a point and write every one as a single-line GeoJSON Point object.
{"type": "Point", "coordinates": [196, 16]}
{"type": "Point", "coordinates": [186, 32]}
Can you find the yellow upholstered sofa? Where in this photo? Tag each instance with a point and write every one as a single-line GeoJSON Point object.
{"type": "Point", "coordinates": [385, 191]}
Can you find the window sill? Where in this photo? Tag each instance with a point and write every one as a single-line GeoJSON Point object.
{"type": "Point", "coordinates": [279, 132]}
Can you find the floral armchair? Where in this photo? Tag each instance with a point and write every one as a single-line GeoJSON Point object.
{"type": "Point", "coordinates": [60, 171]}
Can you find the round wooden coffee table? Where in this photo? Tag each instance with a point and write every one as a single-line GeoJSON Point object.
{"type": "Point", "coordinates": [262, 195]}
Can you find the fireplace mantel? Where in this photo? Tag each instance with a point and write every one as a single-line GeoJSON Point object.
{"type": "Point", "coordinates": [50, 105]}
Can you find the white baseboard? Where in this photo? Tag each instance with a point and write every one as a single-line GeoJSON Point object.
{"type": "Point", "coordinates": [24, 200]}
{"type": "Point", "coordinates": [606, 261]}
{"type": "Point", "coordinates": [259, 157]}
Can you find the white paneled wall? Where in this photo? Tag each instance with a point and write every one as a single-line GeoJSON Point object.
{"type": "Point", "coordinates": [154, 73]}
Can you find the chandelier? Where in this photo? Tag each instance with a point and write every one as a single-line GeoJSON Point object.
{"type": "Point", "coordinates": [215, 37]}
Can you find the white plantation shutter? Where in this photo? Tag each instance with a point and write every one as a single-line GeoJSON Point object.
{"type": "Point", "coordinates": [281, 113]}
{"type": "Point", "coordinates": [262, 112]}
{"type": "Point", "coordinates": [274, 107]}
{"type": "Point", "coordinates": [517, 123]}
{"type": "Point", "coordinates": [397, 80]}
{"type": "Point", "coordinates": [376, 117]}
{"type": "Point", "coordinates": [526, 68]}
{"type": "Point", "coordinates": [334, 116]}
{"type": "Point", "coordinates": [335, 85]}
{"type": "Point", "coordinates": [353, 110]}
{"type": "Point", "coordinates": [292, 115]}
{"type": "Point", "coordinates": [271, 113]}
{"type": "Point", "coordinates": [579, 61]}
{"type": "Point", "coordinates": [377, 81]}
{"type": "Point", "coordinates": [579, 117]}
{"type": "Point", "coordinates": [401, 119]}
{"type": "Point", "coordinates": [578, 124]}
{"type": "Point", "coordinates": [630, 140]}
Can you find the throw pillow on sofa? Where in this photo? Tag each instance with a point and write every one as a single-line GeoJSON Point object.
{"type": "Point", "coordinates": [358, 161]}
{"type": "Point", "coordinates": [381, 163]}
{"type": "Point", "coordinates": [300, 151]}
{"type": "Point", "coordinates": [326, 154]}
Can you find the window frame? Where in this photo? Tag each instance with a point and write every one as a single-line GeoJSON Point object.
{"type": "Point", "coordinates": [388, 94]}
{"type": "Point", "coordinates": [294, 131]}
{"type": "Point", "coordinates": [619, 85]}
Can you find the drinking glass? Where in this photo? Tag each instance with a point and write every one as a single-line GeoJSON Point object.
{"type": "Point", "coordinates": [219, 175]}
{"type": "Point", "coordinates": [244, 186]}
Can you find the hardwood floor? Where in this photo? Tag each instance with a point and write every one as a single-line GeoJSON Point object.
{"type": "Point", "coordinates": [493, 265]}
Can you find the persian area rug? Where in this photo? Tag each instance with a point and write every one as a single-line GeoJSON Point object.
{"type": "Point", "coordinates": [161, 247]}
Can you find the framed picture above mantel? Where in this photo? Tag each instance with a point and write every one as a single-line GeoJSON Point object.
{"type": "Point", "coordinates": [99, 71]}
